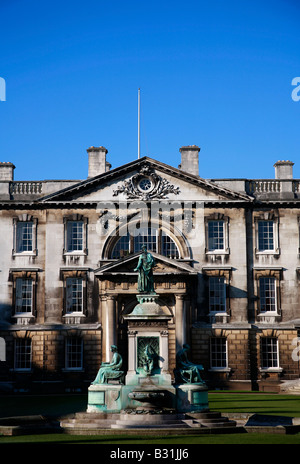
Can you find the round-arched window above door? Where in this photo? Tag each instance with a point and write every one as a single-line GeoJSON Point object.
{"type": "Point", "coordinates": [156, 240]}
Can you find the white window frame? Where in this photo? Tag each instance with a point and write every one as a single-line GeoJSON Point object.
{"type": "Point", "coordinates": [68, 342]}
{"type": "Point", "coordinates": [263, 296]}
{"type": "Point", "coordinates": [74, 317]}
{"type": "Point", "coordinates": [224, 296]}
{"type": "Point", "coordinates": [218, 316]}
{"type": "Point", "coordinates": [17, 354]}
{"type": "Point", "coordinates": [68, 221]}
{"type": "Point", "coordinates": [20, 281]}
{"type": "Point", "coordinates": [69, 311]}
{"type": "Point", "coordinates": [16, 277]}
{"type": "Point", "coordinates": [219, 218]}
{"type": "Point", "coordinates": [217, 226]}
{"type": "Point", "coordinates": [269, 217]}
{"type": "Point", "coordinates": [269, 229]}
{"type": "Point", "coordinates": [262, 315]}
{"type": "Point", "coordinates": [269, 368]}
{"type": "Point", "coordinates": [17, 222]}
{"type": "Point", "coordinates": [218, 368]}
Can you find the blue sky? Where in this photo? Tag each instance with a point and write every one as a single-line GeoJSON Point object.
{"type": "Point", "coordinates": [213, 74]}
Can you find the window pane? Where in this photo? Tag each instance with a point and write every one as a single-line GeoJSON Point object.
{"type": "Point", "coordinates": [23, 353]}
{"type": "Point", "coordinates": [168, 248]}
{"type": "Point", "coordinates": [217, 294]}
{"type": "Point", "coordinates": [215, 235]}
{"type": "Point", "coordinates": [145, 236]}
{"type": "Point", "coordinates": [24, 236]}
{"type": "Point", "coordinates": [267, 286]}
{"type": "Point", "coordinates": [149, 237]}
{"type": "Point", "coordinates": [269, 352]}
{"type": "Point", "coordinates": [74, 295]}
{"type": "Point", "coordinates": [218, 349]}
{"type": "Point", "coordinates": [74, 236]}
{"type": "Point", "coordinates": [121, 248]}
{"type": "Point", "coordinates": [74, 353]}
{"type": "Point", "coordinates": [23, 295]}
{"type": "Point", "coordinates": [265, 235]}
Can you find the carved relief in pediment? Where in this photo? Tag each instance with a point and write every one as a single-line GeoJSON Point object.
{"type": "Point", "coordinates": [146, 185]}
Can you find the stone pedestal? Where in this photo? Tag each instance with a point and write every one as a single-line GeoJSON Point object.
{"type": "Point", "coordinates": [104, 398]}
{"type": "Point", "coordinates": [148, 323]}
{"type": "Point", "coordinates": [149, 398]}
{"type": "Point", "coordinates": [147, 389]}
{"type": "Point", "coordinates": [191, 397]}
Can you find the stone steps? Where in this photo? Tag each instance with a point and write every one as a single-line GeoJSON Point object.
{"type": "Point", "coordinates": [101, 421]}
{"type": "Point", "coordinates": [219, 424]}
{"type": "Point", "coordinates": [173, 425]}
{"type": "Point", "coordinates": [72, 423]}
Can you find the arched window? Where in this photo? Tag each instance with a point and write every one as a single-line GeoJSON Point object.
{"type": "Point", "coordinates": [121, 248]}
{"type": "Point", "coordinates": [156, 240]}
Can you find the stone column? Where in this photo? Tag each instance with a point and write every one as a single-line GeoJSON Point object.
{"type": "Point", "coordinates": [164, 345]}
{"type": "Point", "coordinates": [110, 328]}
{"type": "Point", "coordinates": [180, 318]}
{"type": "Point", "coordinates": [132, 355]}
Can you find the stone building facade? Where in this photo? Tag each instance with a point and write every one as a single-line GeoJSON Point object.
{"type": "Point", "coordinates": [227, 258]}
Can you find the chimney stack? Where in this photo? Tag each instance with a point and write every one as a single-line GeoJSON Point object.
{"type": "Point", "coordinates": [7, 171]}
{"type": "Point", "coordinates": [190, 159]}
{"type": "Point", "coordinates": [97, 161]}
{"type": "Point", "coordinates": [284, 170]}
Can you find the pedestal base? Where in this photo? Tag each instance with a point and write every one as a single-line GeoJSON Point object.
{"type": "Point", "coordinates": [105, 398]}
{"type": "Point", "coordinates": [149, 397]}
{"type": "Point", "coordinates": [109, 398]}
{"type": "Point", "coordinates": [191, 397]}
{"type": "Point", "coordinates": [156, 380]}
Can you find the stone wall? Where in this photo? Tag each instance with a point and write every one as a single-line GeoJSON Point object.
{"type": "Point", "coordinates": [48, 360]}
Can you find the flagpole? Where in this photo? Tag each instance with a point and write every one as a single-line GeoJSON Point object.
{"type": "Point", "coordinates": [139, 123]}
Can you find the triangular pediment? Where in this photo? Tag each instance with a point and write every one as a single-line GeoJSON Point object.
{"type": "Point", "coordinates": [127, 265]}
{"type": "Point", "coordinates": [125, 184]}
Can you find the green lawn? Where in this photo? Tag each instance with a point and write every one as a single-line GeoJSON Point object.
{"type": "Point", "coordinates": [218, 439]}
{"type": "Point", "coordinates": [60, 405]}
{"type": "Point", "coordinates": [45, 405]}
{"type": "Point", "coordinates": [253, 403]}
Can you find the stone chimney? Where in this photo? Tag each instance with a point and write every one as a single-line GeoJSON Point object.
{"type": "Point", "coordinates": [7, 171]}
{"type": "Point", "coordinates": [97, 161]}
{"type": "Point", "coordinates": [190, 159]}
{"type": "Point", "coordinates": [284, 170]}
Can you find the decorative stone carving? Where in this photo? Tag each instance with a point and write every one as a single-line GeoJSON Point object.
{"type": "Point", "coordinates": [147, 353]}
{"type": "Point", "coordinates": [146, 185]}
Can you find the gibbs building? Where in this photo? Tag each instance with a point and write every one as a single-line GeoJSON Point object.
{"type": "Point", "coordinates": [227, 263]}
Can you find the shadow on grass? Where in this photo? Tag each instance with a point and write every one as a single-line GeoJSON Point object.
{"type": "Point", "coordinates": [52, 406]}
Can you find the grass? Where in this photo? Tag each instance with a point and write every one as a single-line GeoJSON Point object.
{"type": "Point", "coordinates": [255, 403]}
{"type": "Point", "coordinates": [224, 402]}
{"type": "Point", "coordinates": [44, 405]}
{"type": "Point", "coordinates": [218, 439]}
